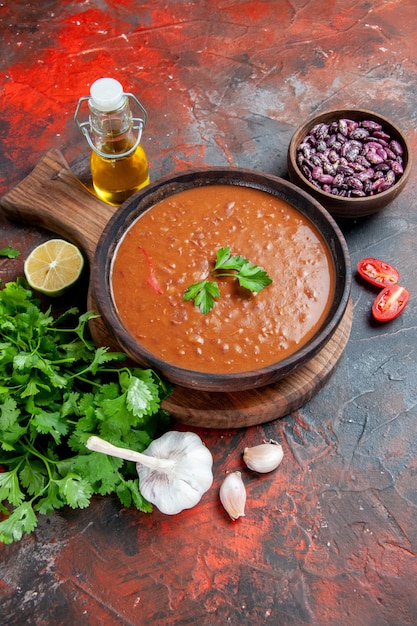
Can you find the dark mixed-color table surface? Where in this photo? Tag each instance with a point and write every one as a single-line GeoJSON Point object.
{"type": "Point", "coordinates": [330, 538]}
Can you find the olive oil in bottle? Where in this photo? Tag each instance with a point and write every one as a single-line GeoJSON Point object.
{"type": "Point", "coordinates": [118, 162]}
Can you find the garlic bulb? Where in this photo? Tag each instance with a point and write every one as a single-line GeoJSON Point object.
{"type": "Point", "coordinates": [175, 471]}
{"type": "Point", "coordinates": [233, 495]}
{"type": "Point", "coordinates": [265, 457]}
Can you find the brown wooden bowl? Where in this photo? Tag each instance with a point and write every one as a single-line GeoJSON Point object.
{"type": "Point", "coordinates": [344, 207]}
{"type": "Point", "coordinates": [156, 192]}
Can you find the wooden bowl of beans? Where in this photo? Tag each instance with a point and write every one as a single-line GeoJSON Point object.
{"type": "Point", "coordinates": [353, 161]}
{"type": "Point", "coordinates": [165, 243]}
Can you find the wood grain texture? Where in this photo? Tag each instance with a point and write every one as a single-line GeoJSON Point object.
{"type": "Point", "coordinates": [52, 197]}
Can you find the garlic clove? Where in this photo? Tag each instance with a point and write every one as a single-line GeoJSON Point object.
{"type": "Point", "coordinates": [263, 458]}
{"type": "Point", "coordinates": [233, 495]}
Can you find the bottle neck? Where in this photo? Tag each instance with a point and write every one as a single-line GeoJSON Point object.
{"type": "Point", "coordinates": [116, 133]}
{"type": "Point", "coordinates": [112, 131]}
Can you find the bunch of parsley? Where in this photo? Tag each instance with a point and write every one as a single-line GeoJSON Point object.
{"type": "Point", "coordinates": [57, 389]}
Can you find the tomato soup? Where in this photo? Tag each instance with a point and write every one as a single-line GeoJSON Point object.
{"type": "Point", "coordinates": [174, 244]}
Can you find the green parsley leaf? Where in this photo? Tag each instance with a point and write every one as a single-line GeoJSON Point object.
{"type": "Point", "coordinates": [11, 436]}
{"type": "Point", "coordinates": [9, 413]}
{"type": "Point", "coordinates": [138, 500]}
{"type": "Point", "coordinates": [10, 488]}
{"type": "Point", "coordinates": [76, 491]}
{"type": "Point", "coordinates": [47, 422]}
{"type": "Point", "coordinates": [252, 277]}
{"type": "Point", "coordinates": [9, 252]}
{"type": "Point", "coordinates": [204, 294]}
{"type": "Point", "coordinates": [22, 520]}
{"type": "Point", "coordinates": [142, 391]}
{"type": "Point", "coordinates": [33, 477]}
{"type": "Point", "coordinates": [225, 261]}
{"type": "Point", "coordinates": [124, 492]}
{"type": "Point", "coordinates": [100, 470]}
{"type": "Point", "coordinates": [51, 501]}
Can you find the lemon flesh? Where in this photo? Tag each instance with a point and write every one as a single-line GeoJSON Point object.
{"type": "Point", "coordinates": [53, 266]}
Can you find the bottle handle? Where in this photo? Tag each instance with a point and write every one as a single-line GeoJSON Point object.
{"type": "Point", "coordinates": [138, 124]}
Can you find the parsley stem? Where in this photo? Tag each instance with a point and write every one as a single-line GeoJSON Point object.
{"type": "Point", "coordinates": [220, 274]}
{"type": "Point", "coordinates": [47, 462]}
{"type": "Point", "coordinates": [84, 379]}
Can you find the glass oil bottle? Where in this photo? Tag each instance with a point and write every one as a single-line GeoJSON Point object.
{"type": "Point", "coordinates": [119, 166]}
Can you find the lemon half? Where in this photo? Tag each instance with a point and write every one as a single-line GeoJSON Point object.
{"type": "Point", "coordinates": [53, 266]}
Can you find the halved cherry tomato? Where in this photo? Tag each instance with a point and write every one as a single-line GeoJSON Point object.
{"type": "Point", "coordinates": [378, 272]}
{"type": "Point", "coordinates": [390, 302]}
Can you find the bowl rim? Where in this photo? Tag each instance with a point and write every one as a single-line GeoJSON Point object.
{"type": "Point", "coordinates": [129, 212]}
{"type": "Point", "coordinates": [363, 113]}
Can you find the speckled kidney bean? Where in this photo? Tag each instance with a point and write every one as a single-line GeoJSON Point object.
{"type": "Point", "coordinates": [338, 180]}
{"type": "Point", "coordinates": [371, 125]}
{"type": "Point", "coordinates": [360, 134]}
{"type": "Point", "coordinates": [390, 177]}
{"type": "Point", "coordinates": [355, 183]}
{"type": "Point", "coordinates": [350, 159]}
{"type": "Point", "coordinates": [326, 179]}
{"type": "Point", "coordinates": [397, 167]}
{"type": "Point", "coordinates": [374, 157]}
{"type": "Point", "coordinates": [396, 147]}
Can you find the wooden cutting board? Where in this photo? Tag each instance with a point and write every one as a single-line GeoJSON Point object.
{"type": "Point", "coordinates": [52, 197]}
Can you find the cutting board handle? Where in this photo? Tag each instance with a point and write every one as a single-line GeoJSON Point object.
{"type": "Point", "coordinates": [52, 197]}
